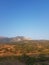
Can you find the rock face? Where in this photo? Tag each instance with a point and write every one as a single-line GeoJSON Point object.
{"type": "Point", "coordinates": [14, 39]}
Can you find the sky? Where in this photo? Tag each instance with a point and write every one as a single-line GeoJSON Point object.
{"type": "Point", "coordinates": [28, 18]}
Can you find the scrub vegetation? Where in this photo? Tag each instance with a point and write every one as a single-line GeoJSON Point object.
{"type": "Point", "coordinates": [24, 53]}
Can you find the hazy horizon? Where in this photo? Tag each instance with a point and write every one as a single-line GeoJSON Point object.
{"type": "Point", "coordinates": [29, 18]}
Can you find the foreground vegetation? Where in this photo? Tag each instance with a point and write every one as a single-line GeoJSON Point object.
{"type": "Point", "coordinates": [26, 52]}
{"type": "Point", "coordinates": [26, 60]}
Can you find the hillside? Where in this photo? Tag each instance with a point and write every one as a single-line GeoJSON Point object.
{"type": "Point", "coordinates": [24, 47]}
{"type": "Point", "coordinates": [25, 52]}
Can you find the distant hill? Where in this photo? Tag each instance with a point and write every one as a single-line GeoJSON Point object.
{"type": "Point", "coordinates": [21, 39]}
{"type": "Point", "coordinates": [14, 39]}
{"type": "Point", "coordinates": [4, 39]}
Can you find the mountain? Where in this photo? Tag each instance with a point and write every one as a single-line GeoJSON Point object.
{"type": "Point", "coordinates": [4, 39]}
{"type": "Point", "coordinates": [14, 39]}
{"type": "Point", "coordinates": [19, 38]}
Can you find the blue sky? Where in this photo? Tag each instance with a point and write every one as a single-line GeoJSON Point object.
{"type": "Point", "coordinates": [28, 18]}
